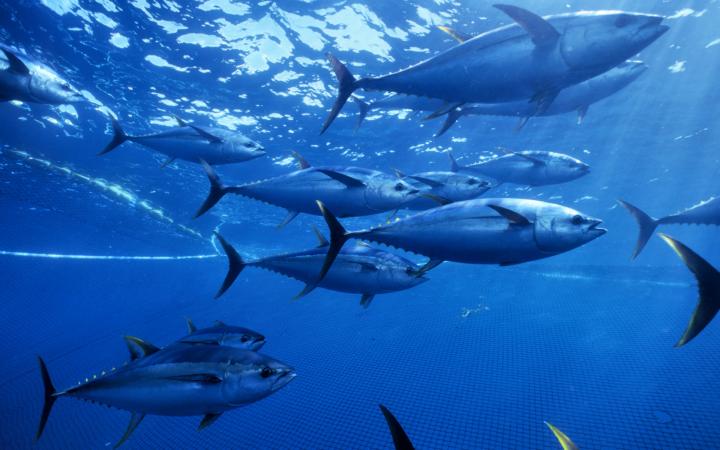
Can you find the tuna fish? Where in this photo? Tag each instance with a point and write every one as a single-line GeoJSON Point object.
{"type": "Point", "coordinates": [30, 81]}
{"type": "Point", "coordinates": [445, 187]}
{"type": "Point", "coordinates": [193, 143]}
{"type": "Point", "coordinates": [529, 168]}
{"type": "Point", "coordinates": [222, 334]}
{"type": "Point", "coordinates": [360, 269]}
{"type": "Point", "coordinates": [532, 59]}
{"type": "Point", "coordinates": [577, 98]}
{"type": "Point", "coordinates": [352, 191]}
{"type": "Point", "coordinates": [704, 213]}
{"type": "Point", "coordinates": [218, 334]}
{"type": "Point", "coordinates": [708, 279]}
{"type": "Point", "coordinates": [180, 380]}
{"type": "Point", "coordinates": [502, 231]}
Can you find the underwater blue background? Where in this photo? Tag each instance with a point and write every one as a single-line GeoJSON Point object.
{"type": "Point", "coordinates": [478, 357]}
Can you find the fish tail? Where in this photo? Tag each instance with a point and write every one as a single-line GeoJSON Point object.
{"type": "Point", "coordinates": [347, 85]}
{"type": "Point", "coordinates": [646, 223]}
{"type": "Point", "coordinates": [235, 265]}
{"type": "Point", "coordinates": [338, 237]}
{"type": "Point", "coordinates": [50, 395]}
{"type": "Point", "coordinates": [364, 108]}
{"type": "Point", "coordinates": [217, 190]}
{"type": "Point", "coordinates": [708, 279]}
{"type": "Point", "coordinates": [452, 116]}
{"type": "Point", "coordinates": [119, 137]}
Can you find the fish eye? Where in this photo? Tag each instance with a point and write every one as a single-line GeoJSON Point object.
{"type": "Point", "coordinates": [244, 338]}
{"type": "Point", "coordinates": [399, 187]}
{"type": "Point", "coordinates": [577, 219]}
{"type": "Point", "coordinates": [249, 145]}
{"type": "Point", "coordinates": [472, 181]}
{"type": "Point", "coordinates": [266, 372]}
{"type": "Point", "coordinates": [623, 20]}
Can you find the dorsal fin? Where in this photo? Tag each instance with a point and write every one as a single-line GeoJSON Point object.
{"type": "Point", "coordinates": [322, 242]}
{"type": "Point", "coordinates": [190, 325]}
{"type": "Point", "coordinates": [181, 123]}
{"type": "Point", "coordinates": [540, 30]}
{"type": "Point", "coordinates": [207, 135]}
{"type": "Point", "coordinates": [146, 348]}
{"type": "Point", "coordinates": [344, 179]}
{"type": "Point", "coordinates": [457, 35]}
{"type": "Point", "coordinates": [16, 65]}
{"type": "Point", "coordinates": [510, 215]}
{"type": "Point", "coordinates": [454, 166]}
{"type": "Point", "coordinates": [302, 162]}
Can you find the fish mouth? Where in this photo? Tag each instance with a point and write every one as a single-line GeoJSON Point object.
{"type": "Point", "coordinates": [258, 344]}
{"type": "Point", "coordinates": [595, 228]}
{"type": "Point", "coordinates": [653, 27]}
{"type": "Point", "coordinates": [413, 191]}
{"type": "Point", "coordinates": [285, 376]}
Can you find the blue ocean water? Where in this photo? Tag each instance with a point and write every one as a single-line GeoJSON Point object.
{"type": "Point", "coordinates": [477, 357]}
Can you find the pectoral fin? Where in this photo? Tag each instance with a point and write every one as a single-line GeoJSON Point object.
{"type": "Point", "coordinates": [202, 378]}
{"type": "Point", "coordinates": [425, 268]}
{"type": "Point", "coordinates": [366, 299]}
{"type": "Point", "coordinates": [437, 198]}
{"type": "Point", "coordinates": [510, 215]}
{"type": "Point", "coordinates": [16, 65]}
{"type": "Point", "coordinates": [207, 135]}
{"type": "Point", "coordinates": [540, 30]}
{"type": "Point", "coordinates": [348, 181]}
{"type": "Point", "coordinates": [135, 420]}
{"type": "Point", "coordinates": [145, 348]}
{"type": "Point", "coordinates": [457, 35]}
{"type": "Point", "coordinates": [208, 420]}
{"type": "Point", "coordinates": [427, 181]}
{"type": "Point", "coordinates": [536, 161]}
